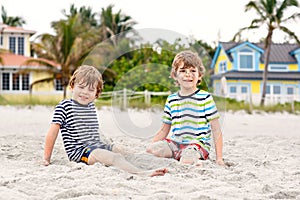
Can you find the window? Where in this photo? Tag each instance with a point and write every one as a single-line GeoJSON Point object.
{"type": "Point", "coordinates": [290, 90]}
{"type": "Point", "coordinates": [58, 85]}
{"type": "Point", "coordinates": [14, 81]}
{"type": "Point", "coordinates": [20, 45]}
{"type": "Point", "coordinates": [232, 89]}
{"type": "Point", "coordinates": [16, 45]}
{"type": "Point", "coordinates": [1, 40]}
{"type": "Point", "coordinates": [223, 66]}
{"type": "Point", "coordinates": [5, 81]}
{"type": "Point", "coordinates": [276, 89]}
{"type": "Point", "coordinates": [25, 81]}
{"type": "Point", "coordinates": [268, 90]}
{"type": "Point", "coordinates": [246, 59]}
{"type": "Point", "coordinates": [273, 89]}
{"type": "Point", "coordinates": [244, 89]}
{"type": "Point", "coordinates": [278, 68]}
{"type": "Point", "coordinates": [12, 44]}
{"type": "Point", "coordinates": [239, 89]}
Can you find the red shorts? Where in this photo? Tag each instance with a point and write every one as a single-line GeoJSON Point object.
{"type": "Point", "coordinates": [178, 148]}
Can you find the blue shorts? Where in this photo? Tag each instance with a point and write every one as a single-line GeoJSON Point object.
{"type": "Point", "coordinates": [88, 150]}
{"type": "Point", "coordinates": [85, 156]}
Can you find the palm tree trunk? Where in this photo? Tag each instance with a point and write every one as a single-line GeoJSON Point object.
{"type": "Point", "coordinates": [266, 61]}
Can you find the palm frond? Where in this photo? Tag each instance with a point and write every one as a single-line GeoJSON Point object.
{"type": "Point", "coordinates": [290, 33]}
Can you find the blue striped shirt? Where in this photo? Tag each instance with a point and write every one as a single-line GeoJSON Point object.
{"type": "Point", "coordinates": [190, 118]}
{"type": "Point", "coordinates": [79, 127]}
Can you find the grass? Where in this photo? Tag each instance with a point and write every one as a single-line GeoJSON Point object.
{"type": "Point", "coordinates": [156, 103]}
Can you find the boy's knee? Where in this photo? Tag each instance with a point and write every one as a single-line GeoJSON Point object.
{"type": "Point", "coordinates": [159, 149]}
{"type": "Point", "coordinates": [154, 146]}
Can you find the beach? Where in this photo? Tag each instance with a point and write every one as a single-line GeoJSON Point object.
{"type": "Point", "coordinates": [261, 152]}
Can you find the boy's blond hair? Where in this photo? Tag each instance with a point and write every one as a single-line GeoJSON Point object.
{"type": "Point", "coordinates": [189, 59]}
{"type": "Point", "coordinates": [88, 75]}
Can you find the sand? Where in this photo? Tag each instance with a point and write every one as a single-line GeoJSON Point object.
{"type": "Point", "coordinates": [262, 153]}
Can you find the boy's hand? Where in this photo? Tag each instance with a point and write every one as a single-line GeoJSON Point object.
{"type": "Point", "coordinates": [46, 162]}
{"type": "Point", "coordinates": [220, 162]}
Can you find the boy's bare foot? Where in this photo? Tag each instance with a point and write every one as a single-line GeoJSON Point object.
{"type": "Point", "coordinates": [45, 162]}
{"type": "Point", "coordinates": [151, 173]}
{"type": "Point", "coordinates": [159, 172]}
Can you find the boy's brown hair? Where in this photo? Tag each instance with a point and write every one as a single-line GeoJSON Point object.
{"type": "Point", "coordinates": [189, 59]}
{"type": "Point", "coordinates": [88, 75]}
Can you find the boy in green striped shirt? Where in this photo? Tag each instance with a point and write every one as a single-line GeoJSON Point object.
{"type": "Point", "coordinates": [190, 117]}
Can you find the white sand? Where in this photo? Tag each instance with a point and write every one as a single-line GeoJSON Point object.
{"type": "Point", "coordinates": [263, 151]}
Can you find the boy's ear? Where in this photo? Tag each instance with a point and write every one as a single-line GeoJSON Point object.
{"type": "Point", "coordinates": [173, 74]}
{"type": "Point", "coordinates": [200, 76]}
{"type": "Point", "coordinates": [71, 88]}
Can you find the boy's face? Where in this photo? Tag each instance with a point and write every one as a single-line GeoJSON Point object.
{"type": "Point", "coordinates": [83, 93]}
{"type": "Point", "coordinates": [187, 77]}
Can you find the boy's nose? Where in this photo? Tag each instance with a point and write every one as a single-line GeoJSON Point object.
{"type": "Point", "coordinates": [187, 71]}
{"type": "Point", "coordinates": [84, 91]}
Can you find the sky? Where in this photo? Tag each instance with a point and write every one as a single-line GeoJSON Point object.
{"type": "Point", "coordinates": [206, 20]}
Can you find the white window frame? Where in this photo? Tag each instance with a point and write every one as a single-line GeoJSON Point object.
{"type": "Point", "coordinates": [222, 66]}
{"type": "Point", "coordinates": [272, 67]}
{"type": "Point", "coordinates": [10, 84]}
{"type": "Point", "coordinates": [16, 46]}
{"type": "Point", "coordinates": [250, 53]}
{"type": "Point", "coordinates": [290, 87]}
{"type": "Point", "coordinates": [238, 95]}
{"type": "Point", "coordinates": [271, 92]}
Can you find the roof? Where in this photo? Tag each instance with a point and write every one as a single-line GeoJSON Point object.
{"type": "Point", "coordinates": [12, 29]}
{"type": "Point", "coordinates": [10, 59]}
{"type": "Point", "coordinates": [280, 53]}
{"type": "Point", "coordinates": [258, 75]}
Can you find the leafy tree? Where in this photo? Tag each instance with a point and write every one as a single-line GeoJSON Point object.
{"type": "Point", "coordinates": [148, 66]}
{"type": "Point", "coordinates": [11, 21]}
{"type": "Point", "coordinates": [270, 13]}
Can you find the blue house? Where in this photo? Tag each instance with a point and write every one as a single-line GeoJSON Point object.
{"type": "Point", "coordinates": [238, 72]}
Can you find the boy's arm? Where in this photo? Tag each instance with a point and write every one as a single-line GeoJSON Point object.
{"type": "Point", "coordinates": [218, 139]}
{"type": "Point", "coordinates": [50, 141]}
{"type": "Point", "coordinates": [162, 133]}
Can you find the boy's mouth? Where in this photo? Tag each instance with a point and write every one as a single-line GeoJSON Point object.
{"type": "Point", "coordinates": [83, 97]}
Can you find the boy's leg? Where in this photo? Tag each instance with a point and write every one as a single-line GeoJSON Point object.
{"type": "Point", "coordinates": [117, 160]}
{"type": "Point", "coordinates": [190, 156]}
{"type": "Point", "coordinates": [121, 149]}
{"type": "Point", "coordinates": [160, 149]}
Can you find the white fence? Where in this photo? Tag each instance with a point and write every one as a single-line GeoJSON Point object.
{"type": "Point", "coordinates": [122, 97]}
{"type": "Point", "coordinates": [269, 99]}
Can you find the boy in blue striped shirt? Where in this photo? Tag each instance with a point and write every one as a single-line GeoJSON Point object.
{"type": "Point", "coordinates": [77, 120]}
{"type": "Point", "coordinates": [190, 116]}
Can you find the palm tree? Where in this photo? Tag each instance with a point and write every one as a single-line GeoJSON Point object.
{"type": "Point", "coordinates": [11, 21]}
{"type": "Point", "coordinates": [68, 48]}
{"type": "Point", "coordinates": [86, 14]}
{"type": "Point", "coordinates": [113, 24]}
{"type": "Point", "coordinates": [271, 13]}
{"type": "Point", "coordinates": [75, 39]}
